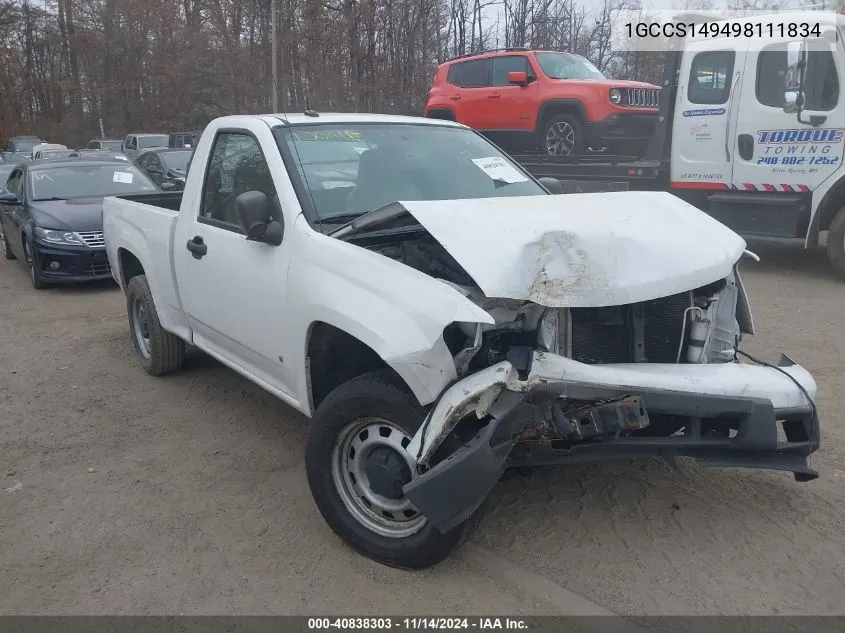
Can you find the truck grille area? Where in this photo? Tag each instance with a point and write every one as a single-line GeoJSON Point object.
{"type": "Point", "coordinates": [644, 332]}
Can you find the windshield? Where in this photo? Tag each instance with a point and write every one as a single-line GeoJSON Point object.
{"type": "Point", "coordinates": [350, 170]}
{"type": "Point", "coordinates": [114, 146]}
{"type": "Point", "coordinates": [26, 146]}
{"type": "Point", "coordinates": [563, 66]}
{"type": "Point", "coordinates": [83, 181]}
{"type": "Point", "coordinates": [155, 140]}
{"type": "Point", "coordinates": [176, 160]}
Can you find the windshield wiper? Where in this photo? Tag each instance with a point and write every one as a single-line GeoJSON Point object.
{"type": "Point", "coordinates": [51, 198]}
{"type": "Point", "coordinates": [370, 220]}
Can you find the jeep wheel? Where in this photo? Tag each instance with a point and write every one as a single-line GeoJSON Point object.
{"type": "Point", "coordinates": [563, 136]}
{"type": "Point", "coordinates": [836, 243]}
{"type": "Point", "coordinates": [357, 464]}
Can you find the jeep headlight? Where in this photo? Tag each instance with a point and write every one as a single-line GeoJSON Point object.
{"type": "Point", "coordinates": [615, 96]}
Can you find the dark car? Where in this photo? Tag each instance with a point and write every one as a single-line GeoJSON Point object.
{"type": "Point", "coordinates": [112, 145]}
{"type": "Point", "coordinates": [51, 216]}
{"type": "Point", "coordinates": [23, 144]}
{"type": "Point", "coordinates": [167, 168]}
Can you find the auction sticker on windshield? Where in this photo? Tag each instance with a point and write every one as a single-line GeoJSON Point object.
{"type": "Point", "coordinates": [123, 176]}
{"type": "Point", "coordinates": [499, 169]}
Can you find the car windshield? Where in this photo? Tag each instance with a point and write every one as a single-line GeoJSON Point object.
{"type": "Point", "coordinates": [26, 146]}
{"type": "Point", "coordinates": [82, 181]}
{"type": "Point", "coordinates": [563, 66]}
{"type": "Point", "coordinates": [113, 146]}
{"type": "Point", "coordinates": [349, 169]}
{"type": "Point", "coordinates": [176, 160]}
{"type": "Point", "coordinates": [154, 140]}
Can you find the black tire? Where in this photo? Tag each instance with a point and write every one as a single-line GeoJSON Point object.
{"type": "Point", "coordinates": [7, 250]}
{"type": "Point", "coordinates": [836, 243]}
{"type": "Point", "coordinates": [35, 277]}
{"type": "Point", "coordinates": [373, 395]}
{"type": "Point", "coordinates": [559, 123]}
{"type": "Point", "coordinates": [161, 352]}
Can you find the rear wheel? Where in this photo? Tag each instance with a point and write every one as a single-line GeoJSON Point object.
{"type": "Point", "coordinates": [357, 463]}
{"type": "Point", "coordinates": [563, 135]}
{"type": "Point", "coordinates": [836, 243]}
{"type": "Point", "coordinates": [159, 351]}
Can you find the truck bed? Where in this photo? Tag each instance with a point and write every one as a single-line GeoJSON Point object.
{"type": "Point", "coordinates": [142, 227]}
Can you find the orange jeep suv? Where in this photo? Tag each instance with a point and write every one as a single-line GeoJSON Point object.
{"type": "Point", "coordinates": [560, 103]}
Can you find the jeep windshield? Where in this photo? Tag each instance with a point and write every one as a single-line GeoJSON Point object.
{"type": "Point", "coordinates": [351, 169]}
{"type": "Point", "coordinates": [563, 66]}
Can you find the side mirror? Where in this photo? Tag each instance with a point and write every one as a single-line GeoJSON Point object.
{"type": "Point", "coordinates": [167, 186]}
{"type": "Point", "coordinates": [252, 209]}
{"type": "Point", "coordinates": [517, 78]}
{"type": "Point", "coordinates": [790, 104]}
{"type": "Point", "coordinates": [552, 184]}
{"type": "Point", "coordinates": [7, 197]}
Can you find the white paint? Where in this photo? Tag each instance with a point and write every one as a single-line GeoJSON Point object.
{"type": "Point", "coordinates": [497, 168]}
{"type": "Point", "coordinates": [592, 249]}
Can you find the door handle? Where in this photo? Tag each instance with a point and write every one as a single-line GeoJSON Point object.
{"type": "Point", "coordinates": [495, 96]}
{"type": "Point", "coordinates": [197, 247]}
{"type": "Point", "coordinates": [455, 98]}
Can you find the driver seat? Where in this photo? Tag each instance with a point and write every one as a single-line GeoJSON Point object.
{"type": "Point", "coordinates": [381, 180]}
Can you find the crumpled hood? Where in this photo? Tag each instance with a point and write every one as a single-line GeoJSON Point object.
{"type": "Point", "coordinates": [582, 250]}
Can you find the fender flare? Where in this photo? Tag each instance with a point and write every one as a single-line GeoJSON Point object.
{"type": "Point", "coordinates": [551, 104]}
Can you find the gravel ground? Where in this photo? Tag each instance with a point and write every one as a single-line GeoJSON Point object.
{"type": "Point", "coordinates": [188, 494]}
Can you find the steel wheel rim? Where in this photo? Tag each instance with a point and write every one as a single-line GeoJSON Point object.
{"type": "Point", "coordinates": [391, 518]}
{"type": "Point", "coordinates": [140, 327]}
{"type": "Point", "coordinates": [560, 139]}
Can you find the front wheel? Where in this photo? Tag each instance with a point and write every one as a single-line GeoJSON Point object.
{"type": "Point", "coordinates": [836, 243]}
{"type": "Point", "coordinates": [159, 351]}
{"type": "Point", "coordinates": [563, 135]}
{"type": "Point", "coordinates": [357, 465]}
{"type": "Point", "coordinates": [35, 277]}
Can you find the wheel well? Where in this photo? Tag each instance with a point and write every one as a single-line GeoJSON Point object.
{"type": "Point", "coordinates": [130, 266]}
{"type": "Point", "coordinates": [335, 357]}
{"type": "Point", "coordinates": [552, 110]}
{"type": "Point", "coordinates": [441, 113]}
{"type": "Point", "coordinates": [830, 205]}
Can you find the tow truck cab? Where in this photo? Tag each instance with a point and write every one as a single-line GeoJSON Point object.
{"type": "Point", "coordinates": [752, 131]}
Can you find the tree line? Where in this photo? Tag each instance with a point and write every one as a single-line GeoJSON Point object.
{"type": "Point", "coordinates": [69, 66]}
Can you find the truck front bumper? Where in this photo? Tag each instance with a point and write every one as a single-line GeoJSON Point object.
{"type": "Point", "coordinates": [752, 400]}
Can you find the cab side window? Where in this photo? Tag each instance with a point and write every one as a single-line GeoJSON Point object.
{"type": "Point", "coordinates": [710, 77]}
{"type": "Point", "coordinates": [236, 165]}
{"type": "Point", "coordinates": [777, 75]}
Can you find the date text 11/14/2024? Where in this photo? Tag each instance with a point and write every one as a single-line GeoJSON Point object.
{"type": "Point", "coordinates": [417, 623]}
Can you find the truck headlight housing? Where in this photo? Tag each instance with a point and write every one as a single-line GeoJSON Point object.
{"type": "Point", "coordinates": [615, 96]}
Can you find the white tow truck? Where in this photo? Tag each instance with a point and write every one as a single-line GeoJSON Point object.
{"type": "Point", "coordinates": [441, 317]}
{"type": "Point", "coordinates": [751, 129]}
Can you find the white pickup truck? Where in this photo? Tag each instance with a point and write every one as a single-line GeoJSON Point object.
{"type": "Point", "coordinates": [441, 317]}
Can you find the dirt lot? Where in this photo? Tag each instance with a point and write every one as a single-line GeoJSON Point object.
{"type": "Point", "coordinates": [187, 494]}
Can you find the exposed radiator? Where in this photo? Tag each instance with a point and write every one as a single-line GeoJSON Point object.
{"type": "Point", "coordinates": [611, 335]}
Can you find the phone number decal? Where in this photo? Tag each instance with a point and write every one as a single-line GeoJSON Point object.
{"type": "Point", "coordinates": [798, 160]}
{"type": "Point", "coordinates": [705, 30]}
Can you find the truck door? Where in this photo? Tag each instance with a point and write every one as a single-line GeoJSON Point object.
{"type": "Point", "coordinates": [703, 126]}
{"type": "Point", "coordinates": [774, 151]}
{"type": "Point", "coordinates": [233, 291]}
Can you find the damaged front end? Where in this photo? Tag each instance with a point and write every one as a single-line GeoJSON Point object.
{"type": "Point", "coordinates": [562, 385]}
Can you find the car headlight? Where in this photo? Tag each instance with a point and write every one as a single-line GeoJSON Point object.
{"type": "Point", "coordinates": [58, 237]}
{"type": "Point", "coordinates": [615, 96]}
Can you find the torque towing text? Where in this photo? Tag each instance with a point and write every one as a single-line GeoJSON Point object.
{"type": "Point", "coordinates": [441, 317]}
